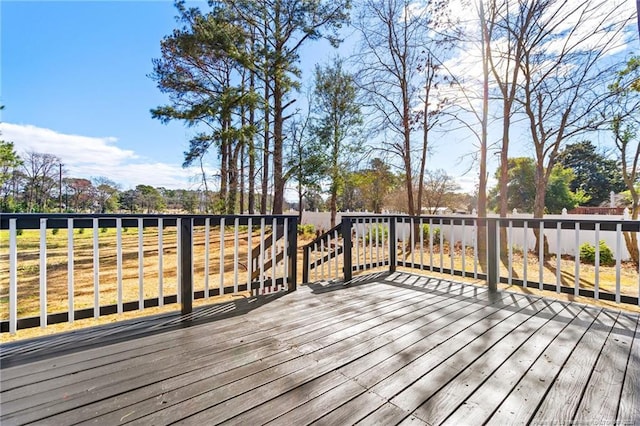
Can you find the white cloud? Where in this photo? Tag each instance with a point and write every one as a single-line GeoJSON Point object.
{"type": "Point", "coordinates": [87, 156]}
{"type": "Point", "coordinates": [73, 149]}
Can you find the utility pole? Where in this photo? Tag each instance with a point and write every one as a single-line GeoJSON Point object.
{"type": "Point", "coordinates": [60, 191]}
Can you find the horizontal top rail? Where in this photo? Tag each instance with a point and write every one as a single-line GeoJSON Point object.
{"type": "Point", "coordinates": [584, 224]}
{"type": "Point", "coordinates": [606, 223]}
{"type": "Point", "coordinates": [326, 236]}
{"type": "Point", "coordinates": [59, 220]}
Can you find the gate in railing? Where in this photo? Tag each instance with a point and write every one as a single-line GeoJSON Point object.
{"type": "Point", "coordinates": [450, 245]}
{"type": "Point", "coordinates": [58, 268]}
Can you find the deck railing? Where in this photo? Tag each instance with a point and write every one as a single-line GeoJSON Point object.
{"type": "Point", "coordinates": [450, 245]}
{"type": "Point", "coordinates": [60, 268]}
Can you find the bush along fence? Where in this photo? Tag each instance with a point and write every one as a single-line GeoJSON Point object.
{"type": "Point", "coordinates": [585, 266]}
{"type": "Point", "coordinates": [61, 268]}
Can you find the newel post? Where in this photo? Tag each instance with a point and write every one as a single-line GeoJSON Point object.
{"type": "Point", "coordinates": [293, 254]}
{"type": "Point", "coordinates": [393, 245]}
{"type": "Point", "coordinates": [305, 264]}
{"type": "Point", "coordinates": [347, 245]}
{"type": "Point", "coordinates": [492, 254]}
{"type": "Point", "coordinates": [186, 263]}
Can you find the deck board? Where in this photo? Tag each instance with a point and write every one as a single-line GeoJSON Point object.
{"type": "Point", "coordinates": [326, 361]}
{"type": "Point", "coordinates": [390, 349]}
{"type": "Point", "coordinates": [570, 384]}
{"type": "Point", "coordinates": [199, 386]}
{"type": "Point", "coordinates": [375, 351]}
{"type": "Point", "coordinates": [518, 406]}
{"type": "Point", "coordinates": [629, 409]}
{"type": "Point", "coordinates": [462, 370]}
{"type": "Point", "coordinates": [500, 382]}
{"type": "Point", "coordinates": [602, 396]}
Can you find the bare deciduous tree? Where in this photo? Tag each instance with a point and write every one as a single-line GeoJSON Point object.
{"type": "Point", "coordinates": [438, 188]}
{"type": "Point", "coordinates": [564, 68]}
{"type": "Point", "coordinates": [106, 194]}
{"type": "Point", "coordinates": [40, 172]}
{"type": "Point", "coordinates": [625, 110]}
{"type": "Point", "coordinates": [80, 194]}
{"type": "Point", "coordinates": [398, 43]}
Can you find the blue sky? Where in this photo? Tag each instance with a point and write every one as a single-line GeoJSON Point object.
{"type": "Point", "coordinates": [80, 68]}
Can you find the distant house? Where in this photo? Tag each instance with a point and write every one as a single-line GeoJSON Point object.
{"type": "Point", "coordinates": [615, 206]}
{"type": "Point", "coordinates": [437, 210]}
{"type": "Point", "coordinates": [598, 210]}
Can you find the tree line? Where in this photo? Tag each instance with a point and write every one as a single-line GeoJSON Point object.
{"type": "Point", "coordinates": [37, 182]}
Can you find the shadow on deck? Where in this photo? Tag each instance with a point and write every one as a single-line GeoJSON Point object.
{"type": "Point", "coordinates": [384, 349]}
{"type": "Point", "coordinates": [31, 350]}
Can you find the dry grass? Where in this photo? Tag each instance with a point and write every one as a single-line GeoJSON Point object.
{"type": "Point", "coordinates": [83, 294]}
{"type": "Point", "coordinates": [57, 276]}
{"type": "Point", "coordinates": [629, 279]}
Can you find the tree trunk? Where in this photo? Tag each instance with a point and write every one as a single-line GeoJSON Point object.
{"type": "Point", "coordinates": [242, 185]}
{"type": "Point", "coordinates": [425, 136]}
{"type": "Point", "coordinates": [243, 145]}
{"type": "Point", "coordinates": [482, 184]}
{"type": "Point", "coordinates": [265, 148]}
{"type": "Point", "coordinates": [224, 173]}
{"type": "Point", "coordinates": [251, 207]}
{"type": "Point", "coordinates": [233, 180]}
{"type": "Point", "coordinates": [407, 158]}
{"type": "Point", "coordinates": [504, 178]}
{"type": "Point", "coordinates": [278, 178]}
{"type": "Point", "coordinates": [631, 238]}
{"type": "Point", "coordinates": [251, 149]}
{"type": "Point", "coordinates": [300, 197]}
{"type": "Point", "coordinates": [333, 203]}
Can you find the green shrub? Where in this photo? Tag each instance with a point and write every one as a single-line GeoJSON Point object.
{"type": "Point", "coordinates": [425, 234]}
{"type": "Point", "coordinates": [103, 230]}
{"type": "Point", "coordinates": [380, 236]}
{"type": "Point", "coordinates": [55, 231]}
{"type": "Point", "coordinates": [306, 229]}
{"type": "Point", "coordinates": [19, 231]}
{"type": "Point", "coordinates": [588, 254]}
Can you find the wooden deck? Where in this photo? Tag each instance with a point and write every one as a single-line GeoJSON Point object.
{"type": "Point", "coordinates": [400, 349]}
